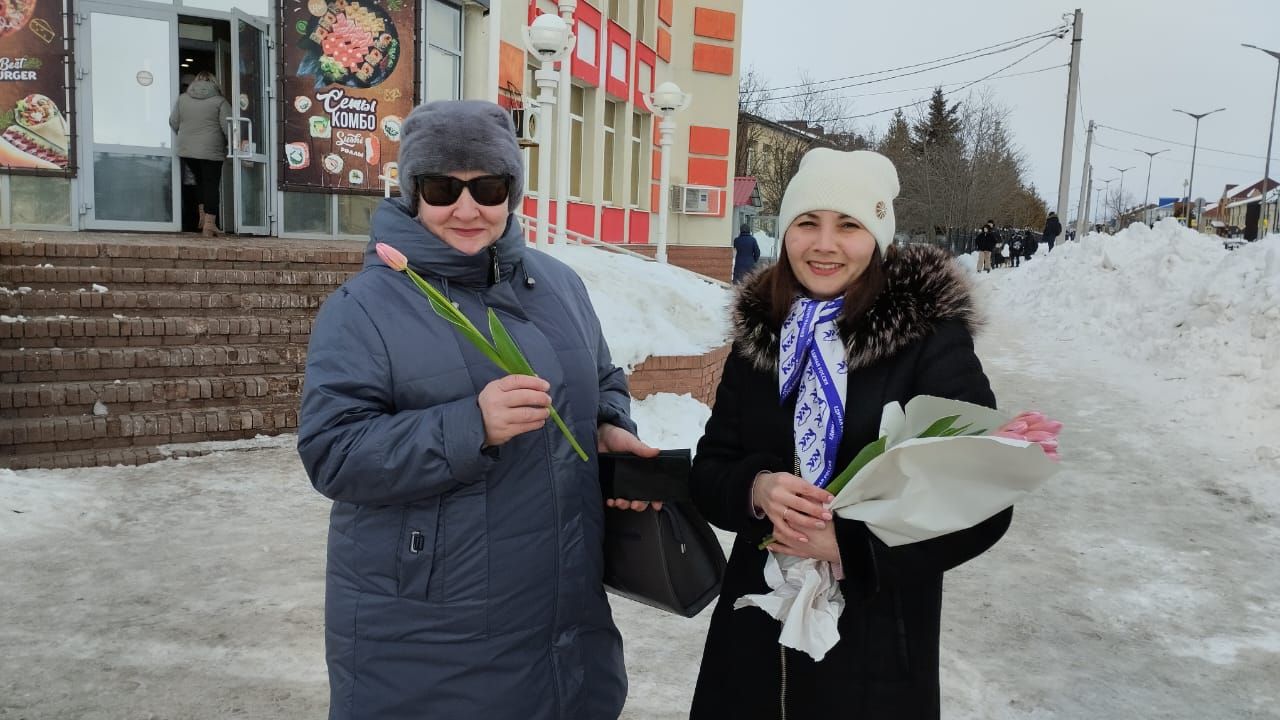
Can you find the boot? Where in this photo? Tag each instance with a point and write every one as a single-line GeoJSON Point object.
{"type": "Point", "coordinates": [209, 226]}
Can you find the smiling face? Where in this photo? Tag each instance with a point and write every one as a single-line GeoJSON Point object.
{"type": "Point", "coordinates": [465, 225]}
{"type": "Point", "coordinates": [828, 252]}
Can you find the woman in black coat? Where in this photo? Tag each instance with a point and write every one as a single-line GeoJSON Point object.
{"type": "Point", "coordinates": [902, 323]}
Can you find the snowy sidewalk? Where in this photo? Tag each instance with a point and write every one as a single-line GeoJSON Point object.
{"type": "Point", "coordinates": [1141, 582]}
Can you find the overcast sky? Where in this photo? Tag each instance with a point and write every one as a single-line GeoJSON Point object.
{"type": "Point", "coordinates": [1140, 59]}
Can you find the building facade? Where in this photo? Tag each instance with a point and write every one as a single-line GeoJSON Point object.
{"type": "Point", "coordinates": [318, 89]}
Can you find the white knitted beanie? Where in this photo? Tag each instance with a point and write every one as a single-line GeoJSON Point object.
{"type": "Point", "coordinates": [861, 184]}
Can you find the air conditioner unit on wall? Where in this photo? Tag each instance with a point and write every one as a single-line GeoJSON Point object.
{"type": "Point", "coordinates": [695, 199]}
{"type": "Point", "coordinates": [527, 121]}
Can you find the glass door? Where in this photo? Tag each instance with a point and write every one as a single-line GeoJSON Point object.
{"type": "Point", "coordinates": [248, 134]}
{"type": "Point", "coordinates": [130, 171]}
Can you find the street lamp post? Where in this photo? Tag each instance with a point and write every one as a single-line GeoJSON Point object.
{"type": "Point", "coordinates": [1191, 184]}
{"type": "Point", "coordinates": [665, 101]}
{"type": "Point", "coordinates": [566, 8]}
{"type": "Point", "coordinates": [1271, 130]}
{"type": "Point", "coordinates": [1146, 195]}
{"type": "Point", "coordinates": [548, 38]}
{"type": "Point", "coordinates": [1106, 197]}
{"type": "Point", "coordinates": [1120, 194]}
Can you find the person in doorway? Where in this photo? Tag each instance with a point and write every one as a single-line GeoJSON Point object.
{"type": "Point", "coordinates": [986, 244]}
{"type": "Point", "coordinates": [465, 556]}
{"type": "Point", "coordinates": [198, 117]}
{"type": "Point", "coordinates": [846, 316]}
{"type": "Point", "coordinates": [746, 253]}
{"type": "Point", "coordinates": [1052, 229]}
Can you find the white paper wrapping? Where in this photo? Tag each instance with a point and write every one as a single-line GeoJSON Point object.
{"type": "Point", "coordinates": [918, 489]}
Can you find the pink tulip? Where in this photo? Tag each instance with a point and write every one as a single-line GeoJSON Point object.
{"type": "Point", "coordinates": [1033, 427]}
{"type": "Point", "coordinates": [392, 257]}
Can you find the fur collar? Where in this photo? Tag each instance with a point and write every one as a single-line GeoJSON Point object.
{"type": "Point", "coordinates": [923, 287]}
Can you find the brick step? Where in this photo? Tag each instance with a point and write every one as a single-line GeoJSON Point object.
{"type": "Point", "coordinates": [158, 304]}
{"type": "Point", "coordinates": [105, 332]}
{"type": "Point", "coordinates": [44, 365]}
{"type": "Point", "coordinates": [97, 458]}
{"type": "Point", "coordinates": [79, 433]}
{"type": "Point", "coordinates": [338, 257]}
{"type": "Point", "coordinates": [35, 400]}
{"type": "Point", "coordinates": [73, 278]}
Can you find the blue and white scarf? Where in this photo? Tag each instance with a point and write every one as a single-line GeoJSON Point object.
{"type": "Point", "coordinates": [811, 359]}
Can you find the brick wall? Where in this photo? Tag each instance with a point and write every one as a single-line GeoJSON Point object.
{"type": "Point", "coordinates": [698, 375]}
{"type": "Point", "coordinates": [716, 262]}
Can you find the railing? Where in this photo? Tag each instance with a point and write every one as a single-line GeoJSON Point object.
{"type": "Point", "coordinates": [530, 225]}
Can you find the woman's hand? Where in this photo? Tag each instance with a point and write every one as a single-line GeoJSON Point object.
{"type": "Point", "coordinates": [513, 405]}
{"type": "Point", "coordinates": [611, 438]}
{"type": "Point", "coordinates": [797, 510]}
{"type": "Point", "coordinates": [821, 545]}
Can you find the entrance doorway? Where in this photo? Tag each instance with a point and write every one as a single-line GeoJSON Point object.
{"type": "Point", "coordinates": [136, 64]}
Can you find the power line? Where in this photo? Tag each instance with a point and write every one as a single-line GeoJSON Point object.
{"type": "Point", "coordinates": [942, 85]}
{"type": "Point", "coordinates": [1175, 160]}
{"type": "Point", "coordinates": [1030, 37]}
{"type": "Point", "coordinates": [1052, 37]}
{"type": "Point", "coordinates": [1175, 142]}
{"type": "Point", "coordinates": [957, 90]}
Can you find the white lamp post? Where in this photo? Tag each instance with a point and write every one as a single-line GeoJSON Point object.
{"type": "Point", "coordinates": [1120, 195]}
{"type": "Point", "coordinates": [566, 8]}
{"type": "Point", "coordinates": [665, 101]}
{"type": "Point", "coordinates": [1146, 195]}
{"type": "Point", "coordinates": [1271, 128]}
{"type": "Point", "coordinates": [548, 38]}
{"type": "Point", "coordinates": [1191, 183]}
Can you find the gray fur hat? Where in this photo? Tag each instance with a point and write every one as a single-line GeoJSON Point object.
{"type": "Point", "coordinates": [447, 136]}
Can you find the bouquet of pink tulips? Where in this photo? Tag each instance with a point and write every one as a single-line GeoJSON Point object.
{"type": "Point", "coordinates": [1030, 427]}
{"type": "Point", "coordinates": [503, 350]}
{"type": "Point", "coordinates": [936, 468]}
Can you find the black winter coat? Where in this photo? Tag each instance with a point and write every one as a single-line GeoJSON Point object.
{"type": "Point", "coordinates": [916, 339]}
{"type": "Point", "coordinates": [1052, 229]}
{"type": "Point", "coordinates": [985, 241]}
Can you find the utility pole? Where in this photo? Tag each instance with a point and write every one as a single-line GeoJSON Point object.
{"type": "Point", "coordinates": [1068, 134]}
{"type": "Point", "coordinates": [1271, 129]}
{"type": "Point", "coordinates": [1084, 184]}
{"type": "Point", "coordinates": [1191, 183]}
{"type": "Point", "coordinates": [1106, 198]}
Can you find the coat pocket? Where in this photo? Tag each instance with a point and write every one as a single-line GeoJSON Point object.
{"type": "Point", "coordinates": [416, 549]}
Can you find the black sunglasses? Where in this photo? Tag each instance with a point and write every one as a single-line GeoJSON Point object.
{"type": "Point", "coordinates": [444, 190]}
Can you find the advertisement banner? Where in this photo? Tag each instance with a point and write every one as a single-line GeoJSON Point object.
{"type": "Point", "coordinates": [349, 68]}
{"type": "Point", "coordinates": [35, 131]}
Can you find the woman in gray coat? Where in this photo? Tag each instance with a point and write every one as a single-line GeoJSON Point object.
{"type": "Point", "coordinates": [199, 116]}
{"type": "Point", "coordinates": [465, 555]}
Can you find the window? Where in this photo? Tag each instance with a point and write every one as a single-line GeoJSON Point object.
{"type": "Point", "coordinates": [585, 47]}
{"type": "Point", "coordinates": [639, 169]}
{"type": "Point", "coordinates": [577, 105]}
{"type": "Point", "coordinates": [532, 153]}
{"type": "Point", "coordinates": [618, 62]}
{"type": "Point", "coordinates": [611, 148]}
{"type": "Point", "coordinates": [643, 25]}
{"type": "Point", "coordinates": [618, 12]}
{"type": "Point", "coordinates": [444, 51]}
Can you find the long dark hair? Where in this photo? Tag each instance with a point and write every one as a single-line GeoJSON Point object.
{"type": "Point", "coordinates": [858, 298]}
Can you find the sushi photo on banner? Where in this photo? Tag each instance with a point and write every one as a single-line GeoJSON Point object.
{"type": "Point", "coordinates": [347, 87]}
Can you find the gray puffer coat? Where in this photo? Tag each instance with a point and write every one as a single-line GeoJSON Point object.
{"type": "Point", "coordinates": [199, 117]}
{"type": "Point", "coordinates": [460, 583]}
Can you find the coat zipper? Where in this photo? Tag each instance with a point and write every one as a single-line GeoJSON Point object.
{"type": "Point", "coordinates": [782, 649]}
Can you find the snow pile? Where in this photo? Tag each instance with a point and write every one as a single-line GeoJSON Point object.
{"type": "Point", "coordinates": [1184, 312]}
{"type": "Point", "coordinates": [648, 308]}
{"type": "Point", "coordinates": [1169, 296]}
{"type": "Point", "coordinates": [670, 421]}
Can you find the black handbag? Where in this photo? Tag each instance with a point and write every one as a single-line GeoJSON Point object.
{"type": "Point", "coordinates": [668, 559]}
